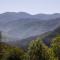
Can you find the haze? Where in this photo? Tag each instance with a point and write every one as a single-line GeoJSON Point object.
{"type": "Point", "coordinates": [30, 6]}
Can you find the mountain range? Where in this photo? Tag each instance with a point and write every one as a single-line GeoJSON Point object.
{"type": "Point", "coordinates": [45, 37]}
{"type": "Point", "coordinates": [22, 25]}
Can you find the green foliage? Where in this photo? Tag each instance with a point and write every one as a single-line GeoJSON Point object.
{"type": "Point", "coordinates": [38, 51]}
{"type": "Point", "coordinates": [56, 47]}
{"type": "Point", "coordinates": [10, 53]}
{"type": "Point", "coordinates": [51, 54]}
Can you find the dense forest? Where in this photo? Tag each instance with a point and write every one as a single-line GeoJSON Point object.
{"type": "Point", "coordinates": [36, 50]}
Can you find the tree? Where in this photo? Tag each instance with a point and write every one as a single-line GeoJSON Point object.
{"type": "Point", "coordinates": [12, 53]}
{"type": "Point", "coordinates": [38, 51]}
{"type": "Point", "coordinates": [56, 47]}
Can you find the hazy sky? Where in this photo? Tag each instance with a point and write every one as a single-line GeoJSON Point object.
{"type": "Point", "coordinates": [30, 6]}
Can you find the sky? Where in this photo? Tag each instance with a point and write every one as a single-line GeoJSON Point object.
{"type": "Point", "coordinates": [30, 6]}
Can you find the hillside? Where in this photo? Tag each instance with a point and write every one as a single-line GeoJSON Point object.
{"type": "Point", "coordinates": [52, 35]}
{"type": "Point", "coordinates": [46, 37]}
{"type": "Point", "coordinates": [22, 25]}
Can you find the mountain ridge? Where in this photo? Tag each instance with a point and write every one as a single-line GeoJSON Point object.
{"type": "Point", "coordinates": [23, 25]}
{"type": "Point", "coordinates": [46, 37]}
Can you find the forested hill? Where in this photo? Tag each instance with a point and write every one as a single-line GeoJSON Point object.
{"type": "Point", "coordinates": [51, 35]}
{"type": "Point", "coordinates": [46, 38]}
{"type": "Point", "coordinates": [36, 50]}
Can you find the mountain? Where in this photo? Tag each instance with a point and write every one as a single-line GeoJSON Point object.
{"type": "Point", "coordinates": [24, 28]}
{"type": "Point", "coordinates": [46, 37]}
{"type": "Point", "coordinates": [22, 25]}
{"type": "Point", "coordinates": [47, 40]}
{"type": "Point", "coordinates": [47, 16]}
{"type": "Point", "coordinates": [8, 16]}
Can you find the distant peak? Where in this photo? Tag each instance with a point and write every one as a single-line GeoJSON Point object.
{"type": "Point", "coordinates": [56, 14]}
{"type": "Point", "coordinates": [9, 12]}
{"type": "Point", "coordinates": [24, 13]}
{"type": "Point", "coordinates": [16, 13]}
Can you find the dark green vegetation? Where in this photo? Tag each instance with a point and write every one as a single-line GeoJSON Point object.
{"type": "Point", "coordinates": [37, 49]}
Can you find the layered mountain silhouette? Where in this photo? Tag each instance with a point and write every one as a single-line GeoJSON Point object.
{"type": "Point", "coordinates": [46, 37]}
{"type": "Point", "coordinates": [22, 25]}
